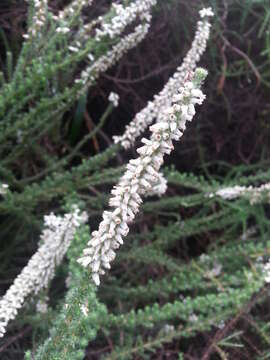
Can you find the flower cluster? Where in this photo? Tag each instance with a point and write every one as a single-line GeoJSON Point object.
{"type": "Point", "coordinates": [255, 194]}
{"type": "Point", "coordinates": [160, 186]}
{"type": "Point", "coordinates": [125, 16]}
{"type": "Point", "coordinates": [64, 17]}
{"type": "Point", "coordinates": [72, 8]}
{"type": "Point", "coordinates": [206, 12]}
{"type": "Point", "coordinates": [63, 30]}
{"type": "Point", "coordinates": [141, 175]}
{"type": "Point", "coordinates": [167, 328]}
{"type": "Point", "coordinates": [92, 72]}
{"type": "Point", "coordinates": [39, 18]}
{"type": "Point", "coordinates": [230, 193]}
{"type": "Point", "coordinates": [114, 99]}
{"type": "Point", "coordinates": [3, 189]}
{"type": "Point", "coordinates": [266, 270]}
{"type": "Point", "coordinates": [56, 238]}
{"type": "Point", "coordinates": [154, 109]}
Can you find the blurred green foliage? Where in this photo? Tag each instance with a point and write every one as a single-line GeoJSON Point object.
{"type": "Point", "coordinates": [188, 281]}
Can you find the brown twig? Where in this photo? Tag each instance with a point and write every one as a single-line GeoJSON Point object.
{"type": "Point", "coordinates": [247, 58]}
{"type": "Point", "coordinates": [222, 333]}
{"type": "Point", "coordinates": [15, 338]}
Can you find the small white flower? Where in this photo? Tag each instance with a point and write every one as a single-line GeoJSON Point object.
{"type": "Point", "coordinates": [70, 9]}
{"type": "Point", "coordinates": [255, 194]}
{"type": "Point", "coordinates": [204, 258]}
{"type": "Point", "coordinates": [206, 12]}
{"type": "Point", "coordinates": [193, 318]}
{"type": "Point", "coordinates": [91, 73]}
{"type": "Point", "coordinates": [266, 272]}
{"type": "Point", "coordinates": [124, 16]}
{"type": "Point", "coordinates": [91, 57]}
{"type": "Point", "coordinates": [3, 189]}
{"type": "Point", "coordinates": [39, 18]}
{"type": "Point", "coordinates": [168, 328]}
{"type": "Point", "coordinates": [114, 99]}
{"type": "Point", "coordinates": [73, 49]}
{"type": "Point", "coordinates": [96, 279]}
{"type": "Point", "coordinates": [221, 324]}
{"type": "Point", "coordinates": [62, 30]}
{"type": "Point", "coordinates": [230, 193]}
{"type": "Point", "coordinates": [84, 309]}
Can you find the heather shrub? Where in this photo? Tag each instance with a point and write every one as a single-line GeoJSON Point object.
{"type": "Point", "coordinates": [118, 242]}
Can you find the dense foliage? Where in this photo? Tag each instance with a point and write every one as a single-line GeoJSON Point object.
{"type": "Point", "coordinates": [190, 280]}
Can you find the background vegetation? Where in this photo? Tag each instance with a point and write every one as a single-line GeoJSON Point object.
{"type": "Point", "coordinates": [187, 284]}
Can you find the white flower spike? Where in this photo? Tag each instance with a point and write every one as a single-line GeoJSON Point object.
{"type": "Point", "coordinates": [36, 275]}
{"type": "Point", "coordinates": [155, 109]}
{"type": "Point", "coordinates": [142, 175]}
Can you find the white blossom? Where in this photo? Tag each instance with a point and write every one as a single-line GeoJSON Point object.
{"type": "Point", "coordinates": [114, 99]}
{"type": "Point", "coordinates": [141, 175]}
{"type": "Point", "coordinates": [124, 15]}
{"type": "Point", "coordinates": [3, 189]}
{"type": "Point", "coordinates": [56, 237]}
{"type": "Point", "coordinates": [71, 9]}
{"type": "Point", "coordinates": [92, 72]}
{"type": "Point", "coordinates": [84, 309]}
{"type": "Point", "coordinates": [103, 26]}
{"type": "Point", "coordinates": [167, 328]}
{"type": "Point", "coordinates": [255, 194]}
{"type": "Point", "coordinates": [39, 18]}
{"type": "Point", "coordinates": [73, 49]}
{"type": "Point", "coordinates": [91, 57]}
{"type": "Point", "coordinates": [160, 186]}
{"type": "Point", "coordinates": [266, 270]}
{"type": "Point", "coordinates": [267, 273]}
{"type": "Point", "coordinates": [221, 324]}
{"type": "Point", "coordinates": [229, 193]}
{"type": "Point", "coordinates": [155, 109]}
{"type": "Point", "coordinates": [206, 12]}
{"type": "Point", "coordinates": [204, 258]}
{"type": "Point", "coordinates": [63, 29]}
